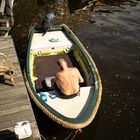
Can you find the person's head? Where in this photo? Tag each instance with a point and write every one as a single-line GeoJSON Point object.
{"type": "Point", "coordinates": [62, 63]}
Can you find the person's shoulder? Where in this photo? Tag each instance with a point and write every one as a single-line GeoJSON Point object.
{"type": "Point", "coordinates": [58, 74]}
{"type": "Point", "coordinates": [74, 69]}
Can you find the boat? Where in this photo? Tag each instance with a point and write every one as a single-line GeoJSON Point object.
{"type": "Point", "coordinates": [44, 49]}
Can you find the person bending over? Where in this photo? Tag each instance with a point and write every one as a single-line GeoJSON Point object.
{"type": "Point", "coordinates": [67, 80]}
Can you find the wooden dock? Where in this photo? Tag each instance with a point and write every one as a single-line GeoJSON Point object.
{"type": "Point", "coordinates": [15, 104]}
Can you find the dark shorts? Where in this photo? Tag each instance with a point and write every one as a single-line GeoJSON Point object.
{"type": "Point", "coordinates": [62, 95]}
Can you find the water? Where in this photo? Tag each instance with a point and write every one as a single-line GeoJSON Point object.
{"type": "Point", "coordinates": [111, 34]}
{"type": "Point", "coordinates": [113, 40]}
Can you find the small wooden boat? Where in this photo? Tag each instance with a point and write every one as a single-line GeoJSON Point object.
{"type": "Point", "coordinates": [43, 52]}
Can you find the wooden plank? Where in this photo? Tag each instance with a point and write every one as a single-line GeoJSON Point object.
{"type": "Point", "coordinates": [4, 31]}
{"type": "Point", "coordinates": [6, 40]}
{"type": "Point", "coordinates": [16, 92]}
{"type": "Point", "coordinates": [19, 115]}
{"type": "Point", "coordinates": [1, 38]}
{"type": "Point", "coordinates": [7, 134]}
{"type": "Point", "coordinates": [12, 119]}
{"type": "Point", "coordinates": [14, 110]}
{"type": "Point", "coordinates": [15, 104]}
{"type": "Point", "coordinates": [4, 22]}
{"type": "Point", "coordinates": [14, 107]}
{"type": "Point", "coordinates": [2, 7]}
{"type": "Point", "coordinates": [5, 28]}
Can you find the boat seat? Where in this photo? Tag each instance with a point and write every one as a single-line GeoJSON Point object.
{"type": "Point", "coordinates": [6, 69]}
{"type": "Point", "coordinates": [70, 107]}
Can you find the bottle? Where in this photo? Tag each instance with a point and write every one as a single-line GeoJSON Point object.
{"type": "Point", "coordinates": [43, 96]}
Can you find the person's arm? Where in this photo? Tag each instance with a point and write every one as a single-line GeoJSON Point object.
{"type": "Point", "coordinates": [81, 80]}
{"type": "Point", "coordinates": [57, 81]}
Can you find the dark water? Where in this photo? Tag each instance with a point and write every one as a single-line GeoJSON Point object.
{"type": "Point", "coordinates": [110, 30]}
{"type": "Point", "coordinates": [113, 40]}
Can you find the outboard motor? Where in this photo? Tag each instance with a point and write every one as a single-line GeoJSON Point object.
{"type": "Point", "coordinates": [48, 21]}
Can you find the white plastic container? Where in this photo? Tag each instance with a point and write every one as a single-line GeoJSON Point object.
{"type": "Point", "coordinates": [23, 130]}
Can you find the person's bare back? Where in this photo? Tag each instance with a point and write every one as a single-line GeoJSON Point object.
{"type": "Point", "coordinates": [68, 79]}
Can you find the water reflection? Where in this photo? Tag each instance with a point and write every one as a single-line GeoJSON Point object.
{"type": "Point", "coordinates": [110, 31]}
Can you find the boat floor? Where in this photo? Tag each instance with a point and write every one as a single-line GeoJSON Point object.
{"type": "Point", "coordinates": [46, 66]}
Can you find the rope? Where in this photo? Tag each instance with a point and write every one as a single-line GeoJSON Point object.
{"type": "Point", "coordinates": [43, 137]}
{"type": "Point", "coordinates": [68, 136]}
{"type": "Point", "coordinates": [75, 133]}
{"type": "Point", "coordinates": [78, 130]}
